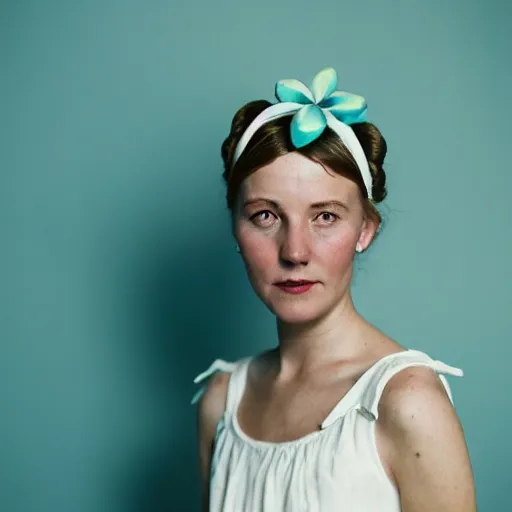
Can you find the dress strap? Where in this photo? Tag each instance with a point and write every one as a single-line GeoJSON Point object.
{"type": "Point", "coordinates": [367, 391]}
{"type": "Point", "coordinates": [217, 365]}
{"type": "Point", "coordinates": [391, 366]}
{"type": "Point", "coordinates": [236, 385]}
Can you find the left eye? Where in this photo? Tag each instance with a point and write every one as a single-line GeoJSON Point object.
{"type": "Point", "coordinates": [332, 215]}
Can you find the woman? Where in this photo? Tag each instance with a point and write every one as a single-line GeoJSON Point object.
{"type": "Point", "coordinates": [337, 417]}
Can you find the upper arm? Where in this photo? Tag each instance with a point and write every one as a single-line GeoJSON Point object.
{"type": "Point", "coordinates": [424, 444]}
{"type": "Point", "coordinates": [210, 409]}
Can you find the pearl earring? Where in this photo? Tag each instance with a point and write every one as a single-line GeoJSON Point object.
{"type": "Point", "coordinates": [359, 248]}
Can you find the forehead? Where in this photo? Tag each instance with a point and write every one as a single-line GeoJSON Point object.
{"type": "Point", "coordinates": [293, 178]}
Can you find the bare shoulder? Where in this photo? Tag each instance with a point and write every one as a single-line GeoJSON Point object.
{"type": "Point", "coordinates": [425, 443]}
{"type": "Point", "coordinates": [412, 392]}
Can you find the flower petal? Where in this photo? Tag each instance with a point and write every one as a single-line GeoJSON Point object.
{"type": "Point", "coordinates": [308, 123]}
{"type": "Point", "coordinates": [354, 117]}
{"type": "Point", "coordinates": [294, 91]}
{"type": "Point", "coordinates": [324, 84]}
{"type": "Point", "coordinates": [346, 107]}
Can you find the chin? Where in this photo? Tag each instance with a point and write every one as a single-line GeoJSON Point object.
{"type": "Point", "coordinates": [296, 318]}
{"type": "Point", "coordinates": [295, 309]}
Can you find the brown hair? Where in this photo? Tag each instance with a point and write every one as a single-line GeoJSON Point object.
{"type": "Point", "coordinates": [273, 140]}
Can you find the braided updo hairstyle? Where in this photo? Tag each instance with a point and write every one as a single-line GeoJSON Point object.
{"type": "Point", "coordinates": [273, 140]}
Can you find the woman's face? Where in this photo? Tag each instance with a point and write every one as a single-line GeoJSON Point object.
{"type": "Point", "coordinates": [285, 233]}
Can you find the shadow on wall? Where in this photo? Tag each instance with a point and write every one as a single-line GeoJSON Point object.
{"type": "Point", "coordinates": [180, 301]}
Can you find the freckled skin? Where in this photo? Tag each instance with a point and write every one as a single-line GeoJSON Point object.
{"type": "Point", "coordinates": [296, 241]}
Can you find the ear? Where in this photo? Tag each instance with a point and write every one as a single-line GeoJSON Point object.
{"type": "Point", "coordinates": [368, 231]}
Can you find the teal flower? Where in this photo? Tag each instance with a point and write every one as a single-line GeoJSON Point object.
{"type": "Point", "coordinates": [310, 121]}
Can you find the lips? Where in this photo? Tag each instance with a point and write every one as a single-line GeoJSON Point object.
{"type": "Point", "coordinates": [294, 283]}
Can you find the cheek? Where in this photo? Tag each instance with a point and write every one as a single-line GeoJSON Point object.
{"type": "Point", "coordinates": [338, 252]}
{"type": "Point", "coordinates": [259, 252]}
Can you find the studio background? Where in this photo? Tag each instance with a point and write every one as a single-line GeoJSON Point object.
{"type": "Point", "coordinates": [119, 278]}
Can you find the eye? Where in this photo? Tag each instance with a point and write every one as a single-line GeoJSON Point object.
{"type": "Point", "coordinates": [333, 216]}
{"type": "Point", "coordinates": [258, 214]}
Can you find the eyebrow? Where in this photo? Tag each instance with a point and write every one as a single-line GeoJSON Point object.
{"type": "Point", "coordinates": [315, 206]}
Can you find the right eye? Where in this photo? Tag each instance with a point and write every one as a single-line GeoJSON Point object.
{"type": "Point", "coordinates": [259, 214]}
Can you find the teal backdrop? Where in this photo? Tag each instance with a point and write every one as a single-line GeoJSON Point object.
{"type": "Point", "coordinates": [119, 277]}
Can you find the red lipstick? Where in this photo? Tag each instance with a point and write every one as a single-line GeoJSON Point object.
{"type": "Point", "coordinates": [295, 286]}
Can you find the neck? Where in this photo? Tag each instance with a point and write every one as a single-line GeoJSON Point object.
{"type": "Point", "coordinates": [338, 335]}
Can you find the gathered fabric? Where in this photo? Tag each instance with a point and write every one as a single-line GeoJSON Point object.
{"type": "Point", "coordinates": [334, 469]}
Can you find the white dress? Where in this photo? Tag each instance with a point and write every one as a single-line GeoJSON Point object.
{"type": "Point", "coordinates": [335, 469]}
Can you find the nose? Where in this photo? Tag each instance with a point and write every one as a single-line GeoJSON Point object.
{"type": "Point", "coordinates": [295, 246]}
